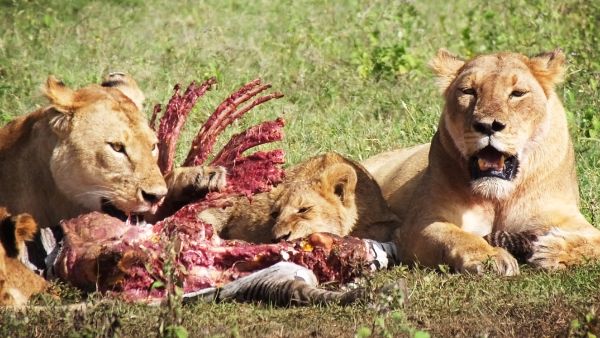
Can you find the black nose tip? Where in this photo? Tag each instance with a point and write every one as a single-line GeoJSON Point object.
{"type": "Point", "coordinates": [151, 197]}
{"type": "Point", "coordinates": [488, 128]}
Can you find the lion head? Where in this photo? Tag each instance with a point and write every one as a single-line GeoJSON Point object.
{"type": "Point", "coordinates": [105, 155]}
{"type": "Point", "coordinates": [498, 107]}
{"type": "Point", "coordinates": [323, 204]}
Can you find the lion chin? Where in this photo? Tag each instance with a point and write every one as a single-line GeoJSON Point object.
{"type": "Point", "coordinates": [492, 188]}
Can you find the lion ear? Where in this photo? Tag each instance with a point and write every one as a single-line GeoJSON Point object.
{"type": "Point", "coordinates": [25, 227]}
{"type": "Point", "coordinates": [445, 65]}
{"type": "Point", "coordinates": [62, 100]}
{"type": "Point", "coordinates": [548, 68]}
{"type": "Point", "coordinates": [127, 85]}
{"type": "Point", "coordinates": [340, 179]}
{"type": "Point", "coordinates": [15, 231]}
{"type": "Point", "coordinates": [60, 96]}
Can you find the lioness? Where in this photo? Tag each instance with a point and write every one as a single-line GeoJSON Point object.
{"type": "Point", "coordinates": [90, 149]}
{"type": "Point", "coordinates": [502, 159]}
{"type": "Point", "coordinates": [326, 193]}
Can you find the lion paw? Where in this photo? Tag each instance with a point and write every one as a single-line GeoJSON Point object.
{"type": "Point", "coordinates": [190, 183]}
{"type": "Point", "coordinates": [547, 255]}
{"type": "Point", "coordinates": [559, 249]}
{"type": "Point", "coordinates": [500, 261]}
{"type": "Point", "coordinates": [211, 178]}
{"type": "Point", "coordinates": [196, 180]}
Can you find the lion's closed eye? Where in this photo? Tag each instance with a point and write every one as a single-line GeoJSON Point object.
{"type": "Point", "coordinates": [468, 91]}
{"type": "Point", "coordinates": [517, 93]}
{"type": "Point", "coordinates": [304, 210]}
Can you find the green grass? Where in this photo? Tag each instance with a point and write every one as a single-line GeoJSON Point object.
{"type": "Point", "coordinates": [356, 81]}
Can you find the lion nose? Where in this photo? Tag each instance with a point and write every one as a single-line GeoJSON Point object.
{"type": "Point", "coordinates": [488, 128]}
{"type": "Point", "coordinates": [153, 195]}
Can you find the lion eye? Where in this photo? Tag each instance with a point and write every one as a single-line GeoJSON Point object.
{"type": "Point", "coordinates": [154, 148]}
{"type": "Point", "coordinates": [468, 91]}
{"type": "Point", "coordinates": [303, 210]}
{"type": "Point", "coordinates": [274, 214]}
{"type": "Point", "coordinates": [117, 147]}
{"type": "Point", "coordinates": [517, 93]}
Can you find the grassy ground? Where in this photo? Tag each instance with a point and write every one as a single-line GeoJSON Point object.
{"type": "Point", "coordinates": [356, 81]}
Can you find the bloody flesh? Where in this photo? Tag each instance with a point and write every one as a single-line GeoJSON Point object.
{"type": "Point", "coordinates": [104, 253]}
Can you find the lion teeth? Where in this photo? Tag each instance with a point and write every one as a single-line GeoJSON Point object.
{"type": "Point", "coordinates": [485, 165]}
{"type": "Point", "coordinates": [501, 162]}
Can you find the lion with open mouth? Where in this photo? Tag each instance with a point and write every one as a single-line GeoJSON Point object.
{"type": "Point", "coordinates": [501, 160]}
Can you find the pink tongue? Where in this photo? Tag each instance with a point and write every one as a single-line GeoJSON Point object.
{"type": "Point", "coordinates": [489, 159]}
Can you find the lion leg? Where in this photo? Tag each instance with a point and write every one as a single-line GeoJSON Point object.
{"type": "Point", "coordinates": [446, 243]}
{"type": "Point", "coordinates": [563, 247]}
{"type": "Point", "coordinates": [186, 184]}
{"type": "Point", "coordinates": [197, 181]}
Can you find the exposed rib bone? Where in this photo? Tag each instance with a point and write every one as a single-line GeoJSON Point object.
{"type": "Point", "coordinates": [224, 115]}
{"type": "Point", "coordinates": [176, 113]}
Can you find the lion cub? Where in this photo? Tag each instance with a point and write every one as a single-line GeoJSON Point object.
{"type": "Point", "coordinates": [17, 282]}
{"type": "Point", "coordinates": [501, 160]}
{"type": "Point", "coordinates": [327, 193]}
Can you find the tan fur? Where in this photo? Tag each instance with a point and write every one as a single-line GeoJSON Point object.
{"type": "Point", "coordinates": [88, 145]}
{"type": "Point", "coordinates": [445, 211]}
{"type": "Point", "coordinates": [327, 193]}
{"type": "Point", "coordinates": [17, 282]}
{"type": "Point", "coordinates": [324, 204]}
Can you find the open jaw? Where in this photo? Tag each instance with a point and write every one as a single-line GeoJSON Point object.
{"type": "Point", "coordinates": [489, 162]}
{"type": "Point", "coordinates": [110, 209]}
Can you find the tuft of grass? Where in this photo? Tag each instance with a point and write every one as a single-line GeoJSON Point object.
{"type": "Point", "coordinates": [356, 81]}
